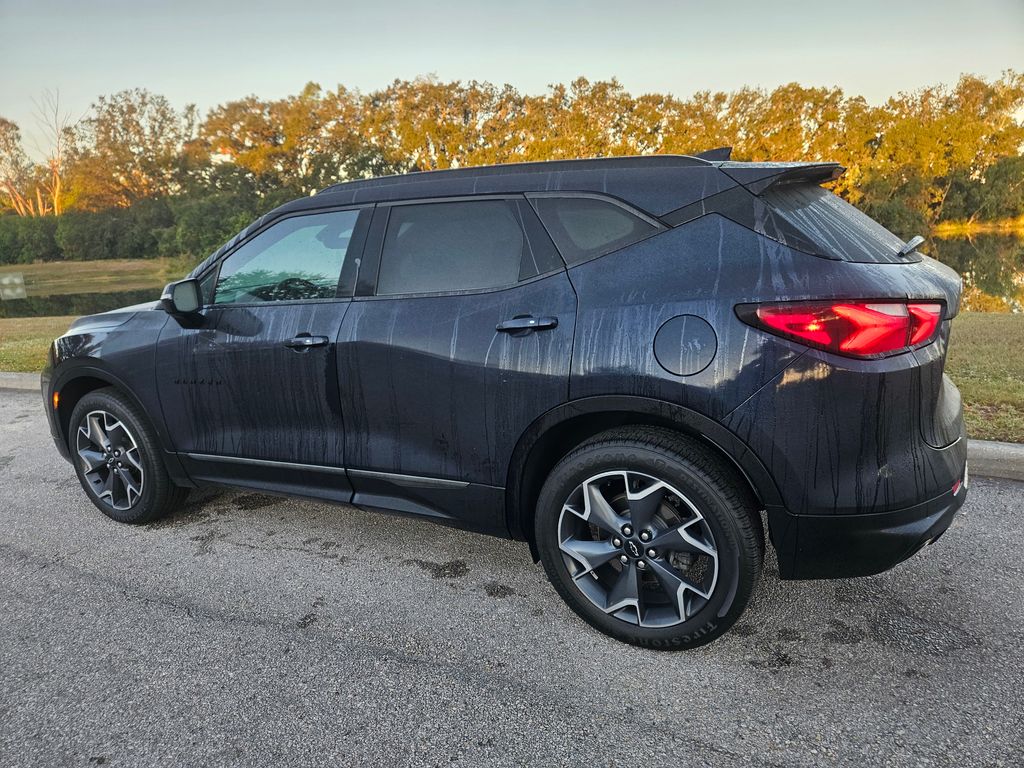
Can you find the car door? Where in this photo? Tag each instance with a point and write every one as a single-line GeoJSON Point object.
{"type": "Point", "coordinates": [465, 340]}
{"type": "Point", "coordinates": [250, 391]}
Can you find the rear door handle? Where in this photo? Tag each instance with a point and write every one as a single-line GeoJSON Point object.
{"type": "Point", "coordinates": [305, 341]}
{"type": "Point", "coordinates": [527, 323]}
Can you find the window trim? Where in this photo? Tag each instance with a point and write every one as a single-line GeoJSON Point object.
{"type": "Point", "coordinates": [658, 224]}
{"type": "Point", "coordinates": [369, 270]}
{"type": "Point", "coordinates": [358, 243]}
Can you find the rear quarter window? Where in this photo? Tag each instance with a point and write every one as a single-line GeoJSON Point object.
{"type": "Point", "coordinates": [585, 227]}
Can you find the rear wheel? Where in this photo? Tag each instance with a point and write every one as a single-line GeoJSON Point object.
{"type": "Point", "coordinates": [117, 459]}
{"type": "Point", "coordinates": [650, 538]}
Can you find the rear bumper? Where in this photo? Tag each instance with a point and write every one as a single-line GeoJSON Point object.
{"type": "Point", "coordinates": [844, 546]}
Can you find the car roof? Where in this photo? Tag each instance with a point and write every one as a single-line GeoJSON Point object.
{"type": "Point", "coordinates": [655, 184]}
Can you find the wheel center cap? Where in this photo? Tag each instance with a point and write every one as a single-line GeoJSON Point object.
{"type": "Point", "coordinates": [632, 548]}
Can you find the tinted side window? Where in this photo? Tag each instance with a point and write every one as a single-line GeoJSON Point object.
{"type": "Point", "coordinates": [444, 247]}
{"type": "Point", "coordinates": [584, 227]}
{"type": "Point", "coordinates": [298, 258]}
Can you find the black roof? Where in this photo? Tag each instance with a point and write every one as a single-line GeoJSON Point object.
{"type": "Point", "coordinates": [655, 183]}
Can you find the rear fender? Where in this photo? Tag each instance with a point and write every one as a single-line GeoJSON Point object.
{"type": "Point", "coordinates": [565, 426]}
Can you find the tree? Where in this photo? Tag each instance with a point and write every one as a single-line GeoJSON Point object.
{"type": "Point", "coordinates": [129, 147]}
{"type": "Point", "coordinates": [17, 174]}
{"type": "Point", "coordinates": [59, 130]}
{"type": "Point", "coordinates": [28, 188]}
{"type": "Point", "coordinates": [304, 142]}
{"type": "Point", "coordinates": [929, 139]}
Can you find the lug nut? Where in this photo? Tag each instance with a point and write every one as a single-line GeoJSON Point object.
{"type": "Point", "coordinates": [645, 536]}
{"type": "Point", "coordinates": [616, 542]}
{"type": "Point", "coordinates": [641, 564]}
{"type": "Point", "coordinates": [627, 531]}
{"type": "Point", "coordinates": [120, 464]}
{"type": "Point", "coordinates": [623, 559]}
{"type": "Point", "coordinates": [651, 553]}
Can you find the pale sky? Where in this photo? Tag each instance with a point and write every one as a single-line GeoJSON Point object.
{"type": "Point", "coordinates": [207, 52]}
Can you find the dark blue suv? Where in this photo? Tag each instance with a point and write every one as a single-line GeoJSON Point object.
{"type": "Point", "coordinates": [629, 363]}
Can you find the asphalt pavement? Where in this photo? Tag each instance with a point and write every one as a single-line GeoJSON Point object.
{"type": "Point", "coordinates": [253, 630]}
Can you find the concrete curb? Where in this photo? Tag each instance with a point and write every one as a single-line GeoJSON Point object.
{"type": "Point", "coordinates": [19, 381]}
{"type": "Point", "coordinates": [986, 458]}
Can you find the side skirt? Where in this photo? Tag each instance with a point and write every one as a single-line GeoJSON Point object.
{"type": "Point", "coordinates": [455, 503]}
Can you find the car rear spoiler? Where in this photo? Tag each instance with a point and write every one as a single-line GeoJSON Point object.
{"type": "Point", "coordinates": [757, 177]}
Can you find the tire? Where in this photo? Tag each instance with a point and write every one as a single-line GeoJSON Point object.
{"type": "Point", "coordinates": [697, 510]}
{"type": "Point", "coordinates": [126, 479]}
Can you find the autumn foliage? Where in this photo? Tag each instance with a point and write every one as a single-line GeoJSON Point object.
{"type": "Point", "coordinates": [180, 184]}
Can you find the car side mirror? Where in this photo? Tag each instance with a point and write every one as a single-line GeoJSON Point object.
{"type": "Point", "coordinates": [182, 298]}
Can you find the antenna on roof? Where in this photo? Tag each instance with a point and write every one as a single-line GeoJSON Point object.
{"type": "Point", "coordinates": [721, 153]}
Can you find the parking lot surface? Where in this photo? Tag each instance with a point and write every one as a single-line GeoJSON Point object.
{"type": "Point", "coordinates": [252, 630]}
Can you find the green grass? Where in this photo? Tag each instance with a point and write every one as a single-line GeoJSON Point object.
{"type": "Point", "coordinates": [986, 360]}
{"type": "Point", "coordinates": [61, 277]}
{"type": "Point", "coordinates": [24, 341]}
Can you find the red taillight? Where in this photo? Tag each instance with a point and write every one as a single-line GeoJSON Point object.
{"type": "Point", "coordinates": [924, 319]}
{"type": "Point", "coordinates": [852, 328]}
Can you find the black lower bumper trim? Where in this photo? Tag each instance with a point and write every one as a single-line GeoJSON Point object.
{"type": "Point", "coordinates": [844, 546]}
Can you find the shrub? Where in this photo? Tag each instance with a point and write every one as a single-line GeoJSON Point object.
{"type": "Point", "coordinates": [36, 239]}
{"type": "Point", "coordinates": [204, 224]}
{"type": "Point", "coordinates": [9, 247]}
{"type": "Point", "coordinates": [87, 236]}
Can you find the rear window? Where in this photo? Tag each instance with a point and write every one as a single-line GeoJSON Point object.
{"type": "Point", "coordinates": [585, 227]}
{"type": "Point", "coordinates": [833, 225]}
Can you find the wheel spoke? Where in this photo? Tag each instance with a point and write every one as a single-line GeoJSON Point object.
{"type": "Point", "coordinates": [681, 540]}
{"type": "Point", "coordinates": [132, 457]}
{"type": "Point", "coordinates": [600, 512]}
{"type": "Point", "coordinates": [674, 585]}
{"type": "Point", "coordinates": [96, 434]}
{"type": "Point", "coordinates": [106, 489]}
{"type": "Point", "coordinates": [643, 507]}
{"type": "Point", "coordinates": [625, 591]}
{"type": "Point", "coordinates": [91, 460]}
{"type": "Point", "coordinates": [117, 434]}
{"type": "Point", "coordinates": [132, 491]}
{"type": "Point", "coordinates": [590, 554]}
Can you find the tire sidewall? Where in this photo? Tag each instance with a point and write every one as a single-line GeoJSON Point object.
{"type": "Point", "coordinates": [721, 610]}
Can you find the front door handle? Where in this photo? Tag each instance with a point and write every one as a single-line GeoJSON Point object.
{"type": "Point", "coordinates": [305, 341]}
{"type": "Point", "coordinates": [525, 323]}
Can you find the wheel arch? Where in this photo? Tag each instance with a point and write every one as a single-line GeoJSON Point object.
{"type": "Point", "coordinates": [555, 433]}
{"type": "Point", "coordinates": [78, 379]}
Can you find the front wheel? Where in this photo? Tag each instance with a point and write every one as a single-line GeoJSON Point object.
{"type": "Point", "coordinates": [650, 538]}
{"type": "Point", "coordinates": [117, 459]}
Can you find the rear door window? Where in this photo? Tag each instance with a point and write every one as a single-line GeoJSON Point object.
{"type": "Point", "coordinates": [586, 227]}
{"type": "Point", "coordinates": [455, 246]}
